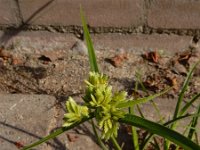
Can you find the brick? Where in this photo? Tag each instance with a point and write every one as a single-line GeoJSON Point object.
{"type": "Point", "coordinates": [105, 13]}
{"type": "Point", "coordinates": [42, 42]}
{"type": "Point", "coordinates": [24, 119]}
{"type": "Point", "coordinates": [174, 14]}
{"type": "Point", "coordinates": [8, 12]}
{"type": "Point", "coordinates": [139, 43]}
{"type": "Point", "coordinates": [37, 41]}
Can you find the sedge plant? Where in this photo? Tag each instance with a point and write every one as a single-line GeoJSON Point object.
{"type": "Point", "coordinates": [191, 128]}
{"type": "Point", "coordinates": [108, 109]}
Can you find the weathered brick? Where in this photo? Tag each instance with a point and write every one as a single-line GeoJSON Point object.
{"type": "Point", "coordinates": [25, 119]}
{"type": "Point", "coordinates": [175, 14]}
{"type": "Point", "coordinates": [169, 43]}
{"type": "Point", "coordinates": [8, 12]}
{"type": "Point", "coordinates": [105, 13]}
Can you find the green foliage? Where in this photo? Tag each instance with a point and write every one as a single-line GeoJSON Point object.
{"type": "Point", "coordinates": [160, 130]}
{"type": "Point", "coordinates": [91, 52]}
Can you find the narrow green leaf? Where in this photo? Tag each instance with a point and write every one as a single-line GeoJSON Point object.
{"type": "Point", "coordinates": [141, 100]}
{"type": "Point", "coordinates": [184, 88]}
{"type": "Point", "coordinates": [145, 142]}
{"type": "Point", "coordinates": [140, 111]}
{"type": "Point", "coordinates": [91, 52]}
{"type": "Point", "coordinates": [56, 133]}
{"type": "Point", "coordinates": [161, 130]}
{"type": "Point", "coordinates": [180, 98]}
{"type": "Point", "coordinates": [193, 124]}
{"type": "Point", "coordinates": [190, 102]}
{"type": "Point", "coordinates": [181, 118]}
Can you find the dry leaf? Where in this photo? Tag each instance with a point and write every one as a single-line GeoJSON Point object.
{"type": "Point", "coordinates": [173, 82]}
{"type": "Point", "coordinates": [152, 56]}
{"type": "Point", "coordinates": [118, 59]}
{"type": "Point", "coordinates": [19, 145]}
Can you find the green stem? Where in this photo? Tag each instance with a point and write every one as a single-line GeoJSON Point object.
{"type": "Point", "coordinates": [97, 137]}
{"type": "Point", "coordinates": [114, 141]}
{"type": "Point", "coordinates": [134, 133]}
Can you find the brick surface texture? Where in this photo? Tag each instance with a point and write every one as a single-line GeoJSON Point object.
{"type": "Point", "coordinates": [24, 119]}
{"type": "Point", "coordinates": [175, 14]}
{"type": "Point", "coordinates": [107, 13]}
{"type": "Point", "coordinates": [8, 12]}
{"type": "Point", "coordinates": [158, 14]}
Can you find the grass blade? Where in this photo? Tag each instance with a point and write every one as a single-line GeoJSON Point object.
{"type": "Point", "coordinates": [91, 52]}
{"type": "Point", "coordinates": [181, 95]}
{"type": "Point", "coordinates": [142, 100]}
{"type": "Point", "coordinates": [146, 141]}
{"type": "Point", "coordinates": [93, 65]}
{"type": "Point", "coordinates": [193, 124]}
{"type": "Point", "coordinates": [180, 98]}
{"type": "Point", "coordinates": [190, 102]}
{"type": "Point", "coordinates": [160, 130]}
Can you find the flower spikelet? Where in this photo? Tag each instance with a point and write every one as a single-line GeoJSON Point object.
{"type": "Point", "coordinates": [75, 112]}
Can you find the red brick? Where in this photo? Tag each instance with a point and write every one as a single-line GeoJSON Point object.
{"type": "Point", "coordinates": [8, 12]}
{"type": "Point", "coordinates": [175, 14]}
{"type": "Point", "coordinates": [105, 13]}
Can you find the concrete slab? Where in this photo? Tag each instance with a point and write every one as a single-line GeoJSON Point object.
{"type": "Point", "coordinates": [24, 119]}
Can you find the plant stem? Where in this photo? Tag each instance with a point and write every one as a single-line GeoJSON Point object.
{"type": "Point", "coordinates": [114, 141]}
{"type": "Point", "coordinates": [97, 137]}
{"type": "Point", "coordinates": [134, 132]}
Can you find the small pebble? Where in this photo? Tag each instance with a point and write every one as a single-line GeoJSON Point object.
{"type": "Point", "coordinates": [80, 48]}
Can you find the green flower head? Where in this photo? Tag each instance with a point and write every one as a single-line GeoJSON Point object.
{"type": "Point", "coordinates": [99, 100]}
{"type": "Point", "coordinates": [96, 79]}
{"type": "Point", "coordinates": [75, 113]}
{"type": "Point", "coordinates": [107, 120]}
{"type": "Point", "coordinates": [98, 92]}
